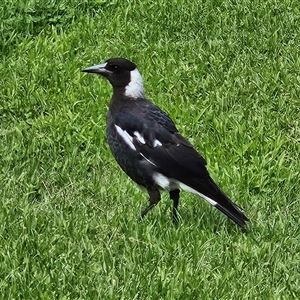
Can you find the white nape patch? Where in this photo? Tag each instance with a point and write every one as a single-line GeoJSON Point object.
{"type": "Point", "coordinates": [148, 160]}
{"type": "Point", "coordinates": [139, 137]}
{"type": "Point", "coordinates": [171, 184]}
{"type": "Point", "coordinates": [135, 87]}
{"type": "Point", "coordinates": [125, 136]}
{"type": "Point", "coordinates": [156, 143]}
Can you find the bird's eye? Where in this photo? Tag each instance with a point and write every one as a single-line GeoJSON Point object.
{"type": "Point", "coordinates": [113, 67]}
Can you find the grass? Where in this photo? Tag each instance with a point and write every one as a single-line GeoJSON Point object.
{"type": "Point", "coordinates": [228, 74]}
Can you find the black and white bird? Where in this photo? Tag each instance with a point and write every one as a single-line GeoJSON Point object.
{"type": "Point", "coordinates": [148, 147]}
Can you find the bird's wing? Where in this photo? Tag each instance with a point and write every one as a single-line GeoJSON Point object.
{"type": "Point", "coordinates": [155, 136]}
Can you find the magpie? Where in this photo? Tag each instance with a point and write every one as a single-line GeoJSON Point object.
{"type": "Point", "coordinates": [148, 147]}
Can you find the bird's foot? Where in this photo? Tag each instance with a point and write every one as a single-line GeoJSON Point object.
{"type": "Point", "coordinates": [145, 211]}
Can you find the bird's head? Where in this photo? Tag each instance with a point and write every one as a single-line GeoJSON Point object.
{"type": "Point", "coordinates": [122, 74]}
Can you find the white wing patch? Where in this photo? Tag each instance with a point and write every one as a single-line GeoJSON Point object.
{"type": "Point", "coordinates": [125, 136]}
{"type": "Point", "coordinates": [170, 184]}
{"type": "Point", "coordinates": [128, 139]}
{"type": "Point", "coordinates": [156, 143]}
{"type": "Point", "coordinates": [135, 88]}
{"type": "Point", "coordinates": [139, 137]}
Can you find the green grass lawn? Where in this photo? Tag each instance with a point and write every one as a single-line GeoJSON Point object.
{"type": "Point", "coordinates": [227, 72]}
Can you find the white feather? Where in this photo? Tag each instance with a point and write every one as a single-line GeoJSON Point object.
{"type": "Point", "coordinates": [191, 190]}
{"type": "Point", "coordinates": [162, 181]}
{"type": "Point", "coordinates": [135, 88]}
{"type": "Point", "coordinates": [148, 160]}
{"type": "Point", "coordinates": [139, 137]}
{"type": "Point", "coordinates": [125, 136]}
{"type": "Point", "coordinates": [156, 143]}
{"type": "Point", "coordinates": [171, 184]}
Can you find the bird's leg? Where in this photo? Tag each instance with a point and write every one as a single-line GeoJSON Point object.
{"type": "Point", "coordinates": [154, 199]}
{"type": "Point", "coordinates": [174, 195]}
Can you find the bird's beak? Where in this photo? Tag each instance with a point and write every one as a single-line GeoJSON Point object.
{"type": "Point", "coordinates": [98, 69]}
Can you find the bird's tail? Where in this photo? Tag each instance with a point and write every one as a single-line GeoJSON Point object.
{"type": "Point", "coordinates": [233, 212]}
{"type": "Point", "coordinates": [209, 190]}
